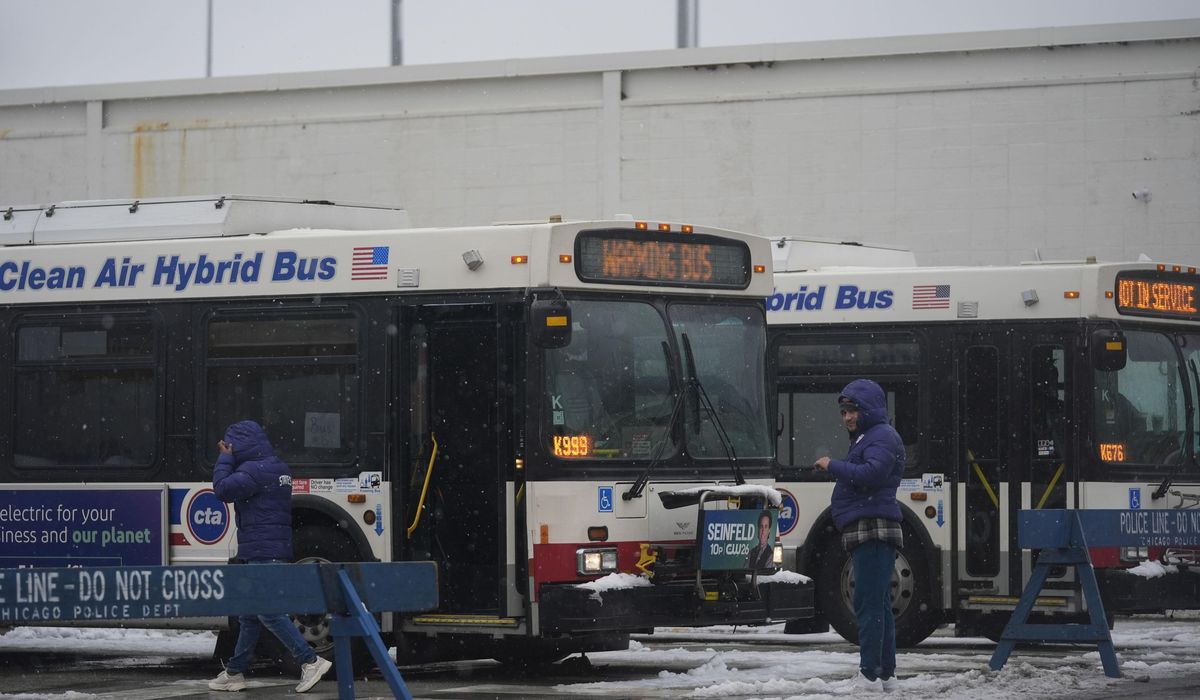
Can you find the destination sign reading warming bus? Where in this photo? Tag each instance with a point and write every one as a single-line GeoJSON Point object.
{"type": "Point", "coordinates": [617, 256]}
{"type": "Point", "coordinates": [1162, 294]}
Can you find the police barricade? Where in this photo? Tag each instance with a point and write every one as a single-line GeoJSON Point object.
{"type": "Point", "coordinates": [350, 593]}
{"type": "Point", "coordinates": [1064, 537]}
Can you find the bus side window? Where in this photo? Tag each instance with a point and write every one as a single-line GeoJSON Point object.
{"type": "Point", "coordinates": [903, 410]}
{"type": "Point", "coordinates": [296, 373]}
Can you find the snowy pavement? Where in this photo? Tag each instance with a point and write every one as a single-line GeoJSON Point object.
{"type": "Point", "coordinates": [758, 663]}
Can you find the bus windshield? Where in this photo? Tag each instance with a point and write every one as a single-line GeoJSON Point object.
{"type": "Point", "coordinates": [1141, 410]}
{"type": "Point", "coordinates": [729, 348]}
{"type": "Point", "coordinates": [611, 392]}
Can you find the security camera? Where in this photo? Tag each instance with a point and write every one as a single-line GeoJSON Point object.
{"type": "Point", "coordinates": [1142, 195]}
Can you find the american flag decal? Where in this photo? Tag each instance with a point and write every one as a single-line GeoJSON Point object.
{"type": "Point", "coordinates": [931, 296]}
{"type": "Point", "coordinates": [369, 263]}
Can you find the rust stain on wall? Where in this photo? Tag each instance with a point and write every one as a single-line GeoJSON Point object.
{"type": "Point", "coordinates": [143, 155]}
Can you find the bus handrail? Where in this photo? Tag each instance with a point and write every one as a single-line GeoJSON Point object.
{"type": "Point", "coordinates": [424, 488]}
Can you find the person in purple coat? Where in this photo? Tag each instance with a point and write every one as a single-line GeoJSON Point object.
{"type": "Point", "coordinates": [259, 485]}
{"type": "Point", "coordinates": [866, 512]}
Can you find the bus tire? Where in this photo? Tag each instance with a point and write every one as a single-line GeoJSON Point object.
{"type": "Point", "coordinates": [912, 604]}
{"type": "Point", "coordinates": [321, 544]}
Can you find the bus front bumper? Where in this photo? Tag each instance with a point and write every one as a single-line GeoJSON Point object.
{"type": "Point", "coordinates": [1126, 592]}
{"type": "Point", "coordinates": [569, 608]}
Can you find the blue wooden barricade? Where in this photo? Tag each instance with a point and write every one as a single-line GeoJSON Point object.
{"type": "Point", "coordinates": [351, 593]}
{"type": "Point", "coordinates": [1064, 537]}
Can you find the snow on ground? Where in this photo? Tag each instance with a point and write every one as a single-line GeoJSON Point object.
{"type": "Point", "coordinates": [779, 665]}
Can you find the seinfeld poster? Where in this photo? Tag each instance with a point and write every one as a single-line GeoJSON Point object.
{"type": "Point", "coordinates": [737, 539]}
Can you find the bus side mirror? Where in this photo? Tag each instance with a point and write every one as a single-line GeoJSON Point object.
{"type": "Point", "coordinates": [1108, 350]}
{"type": "Point", "coordinates": [550, 323]}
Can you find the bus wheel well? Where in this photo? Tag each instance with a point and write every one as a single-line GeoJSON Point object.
{"type": "Point", "coordinates": [311, 514]}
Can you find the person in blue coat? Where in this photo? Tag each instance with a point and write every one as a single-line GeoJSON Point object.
{"type": "Point", "coordinates": [866, 512]}
{"type": "Point", "coordinates": [259, 485]}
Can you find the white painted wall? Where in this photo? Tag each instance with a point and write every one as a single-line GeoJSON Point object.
{"type": "Point", "coordinates": [971, 148]}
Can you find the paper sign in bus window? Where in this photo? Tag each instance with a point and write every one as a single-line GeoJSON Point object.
{"type": "Point", "coordinates": [323, 430]}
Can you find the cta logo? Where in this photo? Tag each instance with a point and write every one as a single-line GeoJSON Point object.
{"type": "Point", "coordinates": [207, 518]}
{"type": "Point", "coordinates": [789, 513]}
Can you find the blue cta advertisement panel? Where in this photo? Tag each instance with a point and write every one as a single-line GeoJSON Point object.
{"type": "Point", "coordinates": [55, 526]}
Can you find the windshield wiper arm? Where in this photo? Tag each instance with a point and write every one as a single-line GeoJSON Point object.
{"type": "Point", "coordinates": [703, 400]}
{"type": "Point", "coordinates": [639, 484]}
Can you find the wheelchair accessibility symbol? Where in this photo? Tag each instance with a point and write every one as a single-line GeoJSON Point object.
{"type": "Point", "coordinates": [605, 502]}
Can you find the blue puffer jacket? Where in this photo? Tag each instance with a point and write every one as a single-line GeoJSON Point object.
{"type": "Point", "coordinates": [868, 477]}
{"type": "Point", "coordinates": [259, 484]}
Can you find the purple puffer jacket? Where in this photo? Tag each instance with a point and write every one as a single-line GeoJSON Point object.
{"type": "Point", "coordinates": [259, 485]}
{"type": "Point", "coordinates": [868, 477]}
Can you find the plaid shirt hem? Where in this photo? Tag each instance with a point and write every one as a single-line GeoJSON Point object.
{"type": "Point", "coordinates": [872, 529]}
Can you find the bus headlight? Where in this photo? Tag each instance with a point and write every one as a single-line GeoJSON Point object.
{"type": "Point", "coordinates": [590, 562]}
{"type": "Point", "coordinates": [1135, 554]}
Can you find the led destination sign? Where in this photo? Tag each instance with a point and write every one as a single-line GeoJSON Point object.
{"type": "Point", "coordinates": [617, 256]}
{"type": "Point", "coordinates": [1162, 294]}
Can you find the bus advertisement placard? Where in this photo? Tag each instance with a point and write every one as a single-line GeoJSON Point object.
{"type": "Point", "coordinates": [736, 539]}
{"type": "Point", "coordinates": [97, 527]}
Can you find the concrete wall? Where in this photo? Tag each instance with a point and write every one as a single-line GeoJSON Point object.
{"type": "Point", "coordinates": [971, 148]}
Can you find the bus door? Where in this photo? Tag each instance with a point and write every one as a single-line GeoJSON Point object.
{"type": "Point", "coordinates": [454, 395]}
{"type": "Point", "coordinates": [1043, 458]}
{"type": "Point", "coordinates": [983, 497]}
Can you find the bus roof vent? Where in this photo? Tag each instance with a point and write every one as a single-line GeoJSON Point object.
{"type": "Point", "coordinates": [798, 254]}
{"type": "Point", "coordinates": [187, 217]}
{"type": "Point", "coordinates": [16, 224]}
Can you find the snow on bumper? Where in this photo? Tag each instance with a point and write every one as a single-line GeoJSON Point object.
{"type": "Point", "coordinates": [571, 608]}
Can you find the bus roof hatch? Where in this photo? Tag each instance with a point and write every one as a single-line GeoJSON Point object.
{"type": "Point", "coordinates": [186, 217]}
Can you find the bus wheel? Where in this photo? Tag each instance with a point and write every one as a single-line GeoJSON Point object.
{"type": "Point", "coordinates": [320, 544]}
{"type": "Point", "coordinates": [911, 600]}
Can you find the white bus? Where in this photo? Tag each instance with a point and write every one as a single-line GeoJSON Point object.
{"type": "Point", "coordinates": [1042, 385]}
{"type": "Point", "coordinates": [509, 401]}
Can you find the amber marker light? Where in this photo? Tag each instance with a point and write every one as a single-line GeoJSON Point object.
{"type": "Point", "coordinates": [641, 225]}
{"type": "Point", "coordinates": [930, 511]}
{"type": "Point", "coordinates": [520, 259]}
{"type": "Point", "coordinates": [664, 227]}
{"type": "Point", "coordinates": [760, 268]}
{"type": "Point", "coordinates": [544, 533]}
{"type": "Point", "coordinates": [356, 498]}
{"type": "Point", "coordinates": [1191, 270]}
{"type": "Point", "coordinates": [369, 517]}
{"type": "Point", "coordinates": [686, 228]}
{"type": "Point", "coordinates": [1070, 295]}
{"type": "Point", "coordinates": [918, 496]}
{"type": "Point", "coordinates": [564, 258]}
{"type": "Point", "coordinates": [1176, 268]}
{"type": "Point", "coordinates": [1108, 294]}
{"type": "Point", "coordinates": [598, 533]}
{"type": "Point", "coordinates": [1161, 267]}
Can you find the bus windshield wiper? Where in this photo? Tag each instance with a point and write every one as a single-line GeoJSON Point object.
{"type": "Point", "coordinates": [639, 484]}
{"type": "Point", "coordinates": [703, 400]}
{"type": "Point", "coordinates": [1189, 418]}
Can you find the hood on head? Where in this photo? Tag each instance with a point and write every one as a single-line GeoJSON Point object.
{"type": "Point", "coordinates": [249, 441]}
{"type": "Point", "coordinates": [871, 402]}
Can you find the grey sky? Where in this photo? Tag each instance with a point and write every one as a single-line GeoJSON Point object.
{"type": "Point", "coordinates": [73, 42]}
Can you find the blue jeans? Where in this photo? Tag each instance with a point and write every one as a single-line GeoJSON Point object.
{"type": "Point", "coordinates": [251, 626]}
{"type": "Point", "coordinates": [874, 561]}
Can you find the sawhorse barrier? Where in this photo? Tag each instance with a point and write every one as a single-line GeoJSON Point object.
{"type": "Point", "coordinates": [1064, 537]}
{"type": "Point", "coordinates": [351, 593]}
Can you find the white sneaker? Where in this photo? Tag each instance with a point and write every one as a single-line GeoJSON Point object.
{"type": "Point", "coordinates": [313, 672]}
{"type": "Point", "coordinates": [231, 682]}
{"type": "Point", "coordinates": [890, 684]}
{"type": "Point", "coordinates": [862, 684]}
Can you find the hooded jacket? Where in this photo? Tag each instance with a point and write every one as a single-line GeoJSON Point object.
{"type": "Point", "coordinates": [259, 484]}
{"type": "Point", "coordinates": [867, 479]}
